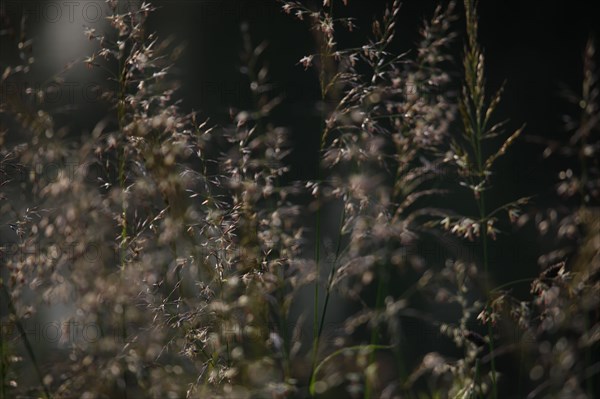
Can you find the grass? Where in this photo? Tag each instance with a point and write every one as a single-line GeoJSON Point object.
{"type": "Point", "coordinates": [186, 249]}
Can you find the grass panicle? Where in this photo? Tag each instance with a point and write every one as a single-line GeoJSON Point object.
{"type": "Point", "coordinates": [180, 259]}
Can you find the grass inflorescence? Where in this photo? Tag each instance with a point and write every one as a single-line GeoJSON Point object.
{"type": "Point", "coordinates": [182, 261]}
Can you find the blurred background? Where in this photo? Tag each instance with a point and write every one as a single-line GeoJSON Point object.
{"type": "Point", "coordinates": [535, 47]}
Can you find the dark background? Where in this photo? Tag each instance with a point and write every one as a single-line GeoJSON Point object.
{"type": "Point", "coordinates": [535, 46]}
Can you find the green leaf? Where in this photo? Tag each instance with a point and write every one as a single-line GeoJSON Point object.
{"type": "Point", "coordinates": [337, 353]}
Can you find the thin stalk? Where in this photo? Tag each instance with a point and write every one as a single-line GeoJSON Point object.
{"type": "Point", "coordinates": [382, 287]}
{"type": "Point", "coordinates": [333, 270]}
{"type": "Point", "coordinates": [484, 243]}
{"type": "Point", "coordinates": [251, 65]}
{"type": "Point", "coordinates": [316, 292]}
{"type": "Point", "coordinates": [483, 217]}
{"type": "Point", "coordinates": [514, 282]}
{"type": "Point", "coordinates": [323, 55]}
{"type": "Point", "coordinates": [475, 108]}
{"type": "Point", "coordinates": [121, 119]}
{"type": "Point", "coordinates": [3, 370]}
{"type": "Point", "coordinates": [123, 243]}
{"type": "Point", "coordinates": [221, 291]}
{"type": "Point", "coordinates": [326, 301]}
{"type": "Point", "coordinates": [3, 360]}
{"type": "Point", "coordinates": [26, 342]}
{"type": "Point", "coordinates": [343, 351]}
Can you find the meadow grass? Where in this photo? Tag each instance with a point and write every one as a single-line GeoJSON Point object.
{"type": "Point", "coordinates": [184, 262]}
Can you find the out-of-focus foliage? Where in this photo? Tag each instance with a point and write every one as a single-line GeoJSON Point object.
{"type": "Point", "coordinates": [182, 262]}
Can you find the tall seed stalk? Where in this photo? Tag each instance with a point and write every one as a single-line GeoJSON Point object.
{"type": "Point", "coordinates": [326, 47]}
{"type": "Point", "coordinates": [476, 112]}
